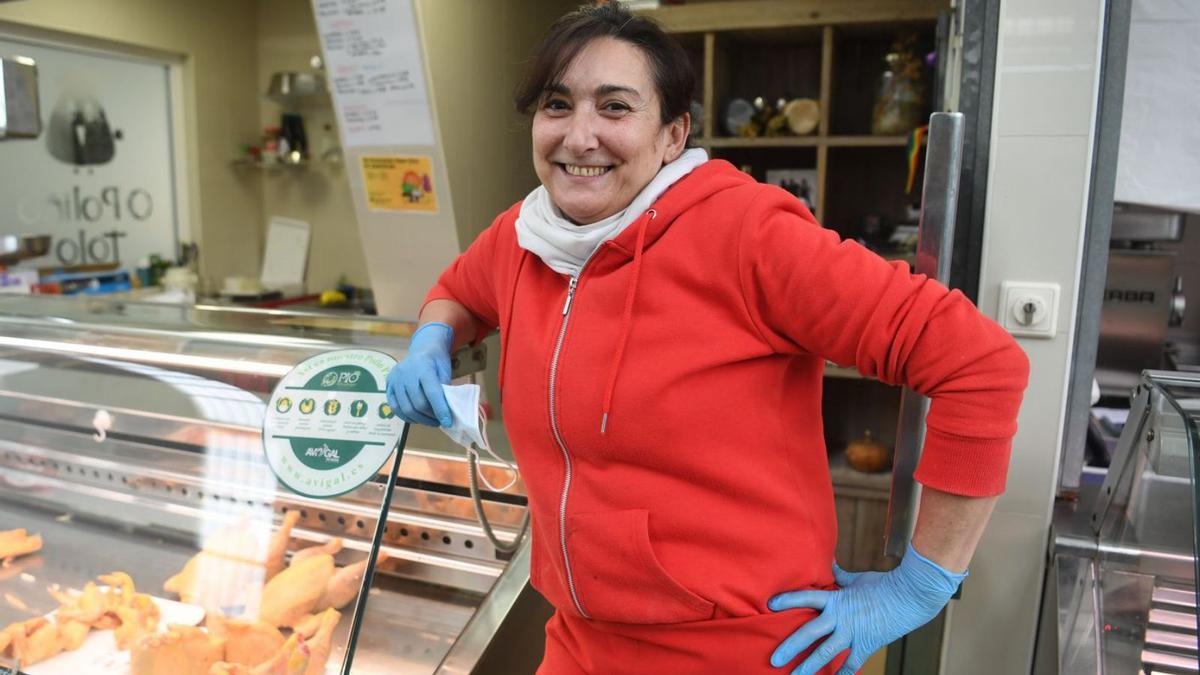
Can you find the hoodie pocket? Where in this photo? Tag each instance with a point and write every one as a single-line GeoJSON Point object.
{"type": "Point", "coordinates": [617, 576]}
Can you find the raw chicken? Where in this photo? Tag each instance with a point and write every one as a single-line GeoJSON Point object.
{"type": "Point", "coordinates": [277, 551]}
{"type": "Point", "coordinates": [119, 607]}
{"type": "Point", "coordinates": [292, 659]}
{"type": "Point", "coordinates": [247, 643]}
{"type": "Point", "coordinates": [182, 650]}
{"type": "Point", "coordinates": [318, 632]}
{"type": "Point", "coordinates": [343, 587]}
{"type": "Point", "coordinates": [332, 547]}
{"type": "Point", "coordinates": [294, 593]}
{"type": "Point", "coordinates": [15, 543]}
{"type": "Point", "coordinates": [32, 641]}
{"type": "Point", "coordinates": [231, 564]}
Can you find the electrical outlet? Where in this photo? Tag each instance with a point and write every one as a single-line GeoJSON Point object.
{"type": "Point", "coordinates": [1029, 309]}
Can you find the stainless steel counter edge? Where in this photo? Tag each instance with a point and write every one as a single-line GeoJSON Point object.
{"type": "Point", "coordinates": [489, 617]}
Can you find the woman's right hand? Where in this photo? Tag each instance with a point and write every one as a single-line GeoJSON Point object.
{"type": "Point", "coordinates": [414, 387]}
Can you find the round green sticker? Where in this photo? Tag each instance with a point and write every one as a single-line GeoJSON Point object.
{"type": "Point", "coordinates": [341, 448]}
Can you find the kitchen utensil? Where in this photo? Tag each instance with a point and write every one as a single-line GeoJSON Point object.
{"type": "Point", "coordinates": [17, 247]}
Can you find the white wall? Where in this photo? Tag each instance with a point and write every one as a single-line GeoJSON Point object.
{"type": "Point", "coordinates": [1038, 180]}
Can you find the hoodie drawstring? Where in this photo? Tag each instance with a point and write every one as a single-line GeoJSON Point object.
{"type": "Point", "coordinates": [626, 318]}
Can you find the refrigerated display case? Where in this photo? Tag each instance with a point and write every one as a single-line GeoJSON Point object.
{"type": "Point", "coordinates": [130, 441]}
{"type": "Point", "coordinates": [1121, 587]}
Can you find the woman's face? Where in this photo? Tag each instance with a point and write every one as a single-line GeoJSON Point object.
{"type": "Point", "coordinates": [597, 137]}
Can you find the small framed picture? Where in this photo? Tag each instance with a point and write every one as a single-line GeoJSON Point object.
{"type": "Point", "coordinates": [800, 182]}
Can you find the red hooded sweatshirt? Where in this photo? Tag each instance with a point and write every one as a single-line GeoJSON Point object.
{"type": "Point", "coordinates": [665, 409]}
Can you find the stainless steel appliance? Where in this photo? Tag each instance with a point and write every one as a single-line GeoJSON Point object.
{"type": "Point", "coordinates": [1143, 297]}
{"type": "Point", "coordinates": [130, 438]}
{"type": "Point", "coordinates": [1120, 593]}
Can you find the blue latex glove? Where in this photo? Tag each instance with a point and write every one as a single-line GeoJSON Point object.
{"type": "Point", "coordinates": [871, 610]}
{"type": "Point", "coordinates": [414, 387]}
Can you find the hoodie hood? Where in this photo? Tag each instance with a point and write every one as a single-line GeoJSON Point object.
{"type": "Point", "coordinates": [703, 183]}
{"type": "Point", "coordinates": [565, 246]}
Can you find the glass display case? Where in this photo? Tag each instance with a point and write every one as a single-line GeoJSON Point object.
{"type": "Point", "coordinates": [1125, 557]}
{"type": "Point", "coordinates": [135, 495]}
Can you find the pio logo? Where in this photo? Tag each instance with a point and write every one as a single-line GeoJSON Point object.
{"type": "Point", "coordinates": [343, 378]}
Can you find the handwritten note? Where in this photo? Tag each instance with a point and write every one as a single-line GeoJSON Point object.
{"type": "Point", "coordinates": [376, 71]}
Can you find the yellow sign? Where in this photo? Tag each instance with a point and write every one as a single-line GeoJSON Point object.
{"type": "Point", "coordinates": [399, 183]}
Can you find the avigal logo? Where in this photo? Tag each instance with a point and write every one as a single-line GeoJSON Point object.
{"type": "Point", "coordinates": [329, 442]}
{"type": "Point", "coordinates": [324, 452]}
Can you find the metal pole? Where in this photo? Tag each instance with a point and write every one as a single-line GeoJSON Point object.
{"type": "Point", "coordinates": [939, 202]}
{"type": "Point", "coordinates": [360, 605]}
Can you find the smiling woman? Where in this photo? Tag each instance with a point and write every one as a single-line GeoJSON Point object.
{"type": "Point", "coordinates": [657, 556]}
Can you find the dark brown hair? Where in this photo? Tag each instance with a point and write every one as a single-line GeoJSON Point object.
{"type": "Point", "coordinates": [669, 64]}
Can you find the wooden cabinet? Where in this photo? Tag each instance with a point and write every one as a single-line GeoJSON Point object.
{"type": "Point", "coordinates": [828, 50]}
{"type": "Point", "coordinates": [832, 51]}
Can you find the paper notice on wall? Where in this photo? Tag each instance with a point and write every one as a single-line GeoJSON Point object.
{"type": "Point", "coordinates": [376, 71]}
{"type": "Point", "coordinates": [399, 184]}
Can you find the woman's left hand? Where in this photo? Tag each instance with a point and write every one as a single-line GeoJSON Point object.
{"type": "Point", "coordinates": [871, 610]}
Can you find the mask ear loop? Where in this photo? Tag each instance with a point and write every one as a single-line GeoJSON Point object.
{"type": "Point", "coordinates": [475, 474]}
{"type": "Point", "coordinates": [487, 447]}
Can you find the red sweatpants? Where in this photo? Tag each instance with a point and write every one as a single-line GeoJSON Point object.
{"type": "Point", "coordinates": [739, 645]}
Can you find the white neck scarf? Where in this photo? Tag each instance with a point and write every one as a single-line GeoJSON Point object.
{"type": "Point", "coordinates": [564, 246]}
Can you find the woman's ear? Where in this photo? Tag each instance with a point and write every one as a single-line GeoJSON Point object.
{"type": "Point", "coordinates": [677, 135]}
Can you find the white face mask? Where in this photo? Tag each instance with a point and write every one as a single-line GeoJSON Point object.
{"type": "Point", "coordinates": [467, 429]}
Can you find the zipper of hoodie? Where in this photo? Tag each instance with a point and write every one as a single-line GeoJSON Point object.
{"type": "Point", "coordinates": [562, 445]}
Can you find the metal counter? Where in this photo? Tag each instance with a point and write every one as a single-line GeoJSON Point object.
{"type": "Point", "coordinates": [1120, 593]}
{"type": "Point", "coordinates": [178, 464]}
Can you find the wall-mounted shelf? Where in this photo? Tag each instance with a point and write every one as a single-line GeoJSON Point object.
{"type": "Point", "coordinates": [331, 158]}
{"type": "Point", "coordinates": [802, 141]}
{"type": "Point", "coordinates": [783, 14]}
{"type": "Point", "coordinates": [243, 163]}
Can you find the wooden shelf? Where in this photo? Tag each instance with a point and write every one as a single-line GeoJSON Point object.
{"type": "Point", "coordinates": [803, 141]}
{"type": "Point", "coordinates": [844, 475]}
{"type": "Point", "coordinates": [251, 164]}
{"type": "Point", "coordinates": [775, 14]}
{"type": "Point", "coordinates": [867, 141]}
{"type": "Point", "coordinates": [760, 142]}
